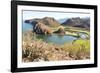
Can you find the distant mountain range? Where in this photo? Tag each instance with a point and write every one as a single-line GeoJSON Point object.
{"type": "Point", "coordinates": [43, 25]}
{"type": "Point", "coordinates": [78, 22]}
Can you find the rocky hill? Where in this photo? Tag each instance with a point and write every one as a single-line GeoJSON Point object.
{"type": "Point", "coordinates": [42, 26]}
{"type": "Point", "coordinates": [50, 21]}
{"type": "Point", "coordinates": [78, 22]}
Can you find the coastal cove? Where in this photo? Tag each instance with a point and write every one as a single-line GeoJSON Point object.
{"type": "Point", "coordinates": [55, 38]}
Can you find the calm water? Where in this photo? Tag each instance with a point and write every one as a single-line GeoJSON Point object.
{"type": "Point", "coordinates": [26, 26]}
{"type": "Point", "coordinates": [58, 39]}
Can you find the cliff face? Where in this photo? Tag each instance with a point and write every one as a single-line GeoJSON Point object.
{"type": "Point", "coordinates": [41, 28]}
{"type": "Point", "coordinates": [78, 22]}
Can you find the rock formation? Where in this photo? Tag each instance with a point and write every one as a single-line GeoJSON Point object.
{"type": "Point", "coordinates": [60, 31]}
{"type": "Point", "coordinates": [41, 28]}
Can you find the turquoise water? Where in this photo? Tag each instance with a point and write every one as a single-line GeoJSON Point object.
{"type": "Point", "coordinates": [57, 39]}
{"type": "Point", "coordinates": [26, 26]}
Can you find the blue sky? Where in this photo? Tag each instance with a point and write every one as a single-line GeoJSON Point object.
{"type": "Point", "coordinates": [56, 15]}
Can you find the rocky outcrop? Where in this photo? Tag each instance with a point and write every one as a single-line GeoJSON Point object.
{"type": "Point", "coordinates": [60, 31]}
{"type": "Point", "coordinates": [32, 21]}
{"type": "Point", "coordinates": [41, 28]}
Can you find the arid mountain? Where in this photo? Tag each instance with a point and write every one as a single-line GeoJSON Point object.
{"type": "Point", "coordinates": [50, 21]}
{"type": "Point", "coordinates": [78, 22]}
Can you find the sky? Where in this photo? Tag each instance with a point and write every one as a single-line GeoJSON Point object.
{"type": "Point", "coordinates": [56, 15]}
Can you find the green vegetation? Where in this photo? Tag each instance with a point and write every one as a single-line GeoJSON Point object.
{"type": "Point", "coordinates": [75, 29]}
{"type": "Point", "coordinates": [78, 48]}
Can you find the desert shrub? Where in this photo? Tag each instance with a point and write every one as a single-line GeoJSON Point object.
{"type": "Point", "coordinates": [38, 50]}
